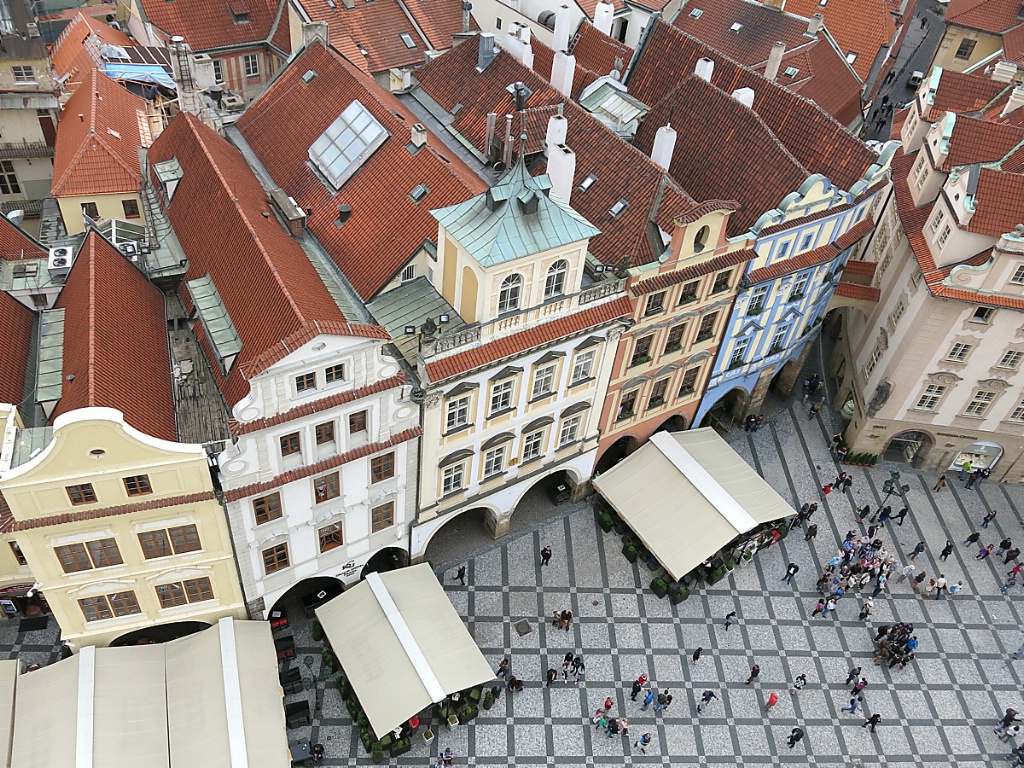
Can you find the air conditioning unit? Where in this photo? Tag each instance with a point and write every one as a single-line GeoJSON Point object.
{"type": "Point", "coordinates": [233, 103]}
{"type": "Point", "coordinates": [32, 29]}
{"type": "Point", "coordinates": [58, 264]}
{"type": "Point", "coordinates": [129, 249]}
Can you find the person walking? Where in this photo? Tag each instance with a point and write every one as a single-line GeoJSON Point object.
{"type": "Point", "coordinates": [965, 469]}
{"type": "Point", "coordinates": [664, 701]}
{"type": "Point", "coordinates": [830, 605]}
{"type": "Point", "coordinates": [818, 608]}
{"type": "Point", "coordinates": [814, 411]}
{"type": "Point", "coordinates": [608, 704]}
{"type": "Point", "coordinates": [854, 674]}
{"type": "Point", "coordinates": [880, 584]}
{"type": "Point", "coordinates": [638, 685]}
{"type": "Point", "coordinates": [866, 609]}
{"type": "Point", "coordinates": [600, 720]}
{"type": "Point", "coordinates": [751, 423]}
{"type": "Point", "coordinates": [551, 676]}
{"type": "Point", "coordinates": [643, 743]}
{"type": "Point", "coordinates": [773, 699]}
{"type": "Point", "coordinates": [697, 654]}
{"type": "Point", "coordinates": [855, 702]}
{"type": "Point", "coordinates": [1010, 583]}
{"type": "Point", "coordinates": [1009, 718]}
{"type": "Point", "coordinates": [956, 589]}
{"type": "Point", "coordinates": [917, 550]}
{"type": "Point", "coordinates": [705, 699]}
{"type": "Point", "coordinates": [795, 737]}
{"type": "Point", "coordinates": [872, 721]}
{"type": "Point", "coordinates": [1011, 554]}
{"type": "Point", "coordinates": [988, 518]}
{"type": "Point", "coordinates": [984, 552]}
{"type": "Point", "coordinates": [900, 516]}
{"type": "Point", "coordinates": [648, 700]}
{"type": "Point", "coordinates": [859, 686]}
{"type": "Point", "coordinates": [1004, 545]}
{"type": "Point", "coordinates": [504, 667]}
{"type": "Point", "coordinates": [972, 479]}
{"type": "Point", "coordinates": [972, 539]}
{"type": "Point", "coordinates": [730, 619]}
{"type": "Point", "coordinates": [812, 531]}
{"type": "Point", "coordinates": [926, 591]}
{"type": "Point", "coordinates": [545, 555]}
{"type": "Point", "coordinates": [939, 484]}
{"type": "Point", "coordinates": [946, 551]}
{"type": "Point", "coordinates": [798, 684]}
{"type": "Point", "coordinates": [754, 672]}
{"type": "Point", "coordinates": [1019, 653]}
{"type": "Point", "coordinates": [791, 570]}
{"type": "Point", "coordinates": [940, 585]}
{"type": "Point", "coordinates": [460, 574]}
{"type": "Point", "coordinates": [906, 572]}
{"type": "Point", "coordinates": [918, 581]}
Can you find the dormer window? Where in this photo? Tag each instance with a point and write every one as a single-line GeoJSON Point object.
{"type": "Point", "coordinates": [790, 72]}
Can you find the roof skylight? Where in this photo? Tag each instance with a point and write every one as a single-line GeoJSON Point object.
{"type": "Point", "coordinates": [346, 144]}
{"type": "Point", "coordinates": [696, 13]}
{"type": "Point", "coordinates": [407, 39]}
{"type": "Point", "coordinates": [588, 182]}
{"type": "Point", "coordinates": [736, 27]}
{"type": "Point", "coordinates": [791, 71]}
{"type": "Point", "coordinates": [618, 208]}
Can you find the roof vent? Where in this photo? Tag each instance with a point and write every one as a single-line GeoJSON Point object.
{"type": "Point", "coordinates": [344, 214]}
{"type": "Point", "coordinates": [521, 93]}
{"type": "Point", "coordinates": [736, 27]}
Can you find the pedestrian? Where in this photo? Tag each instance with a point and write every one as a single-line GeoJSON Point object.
{"type": "Point", "coordinates": [1004, 545]}
{"type": "Point", "coordinates": [866, 608]}
{"type": "Point", "coordinates": [847, 484]}
{"type": "Point", "coordinates": [1010, 734]}
{"type": "Point", "coordinates": [773, 699]}
{"type": "Point", "coordinates": [754, 672]}
{"type": "Point", "coordinates": [812, 531]}
{"type": "Point", "coordinates": [638, 685]}
{"type": "Point", "coordinates": [730, 619]}
{"type": "Point", "coordinates": [648, 700]}
{"type": "Point", "coordinates": [460, 574]}
{"type": "Point", "coordinates": [884, 515]}
{"type": "Point", "coordinates": [917, 550]}
{"type": "Point", "coordinates": [818, 608]}
{"type": "Point", "coordinates": [988, 518]}
{"type": "Point", "coordinates": [600, 720]}
{"type": "Point", "coordinates": [880, 585]}
{"type": "Point", "coordinates": [759, 422]}
{"type": "Point", "coordinates": [956, 589]}
{"type": "Point", "coordinates": [859, 686]}
{"type": "Point", "coordinates": [643, 743]}
{"type": "Point", "coordinates": [901, 516]}
{"type": "Point", "coordinates": [965, 469]}
{"type": "Point", "coordinates": [545, 555]}
{"type": "Point", "coordinates": [815, 409]}
{"type": "Point", "coordinates": [567, 663]}
{"type": "Point", "coordinates": [1016, 569]}
{"type": "Point", "coordinates": [854, 674]}
{"type": "Point", "coordinates": [924, 22]}
{"type": "Point", "coordinates": [927, 590]}
{"type": "Point", "coordinates": [830, 605]}
{"type": "Point", "coordinates": [854, 703]}
{"type": "Point", "coordinates": [974, 477]}
{"type": "Point", "coordinates": [798, 684]}
{"type": "Point", "coordinates": [984, 552]}
{"type": "Point", "coordinates": [806, 391]}
{"type": "Point", "coordinates": [1011, 554]}
{"type": "Point", "coordinates": [946, 550]}
{"type": "Point", "coordinates": [1009, 584]}
{"type": "Point", "coordinates": [918, 580]}
{"type": "Point", "coordinates": [826, 489]}
{"type": "Point", "coordinates": [1009, 718]}
{"type": "Point", "coordinates": [318, 753]}
{"type": "Point", "coordinates": [750, 423]}
{"type": "Point", "coordinates": [664, 701]}
{"type": "Point", "coordinates": [514, 684]}
{"type": "Point", "coordinates": [973, 538]}
{"type": "Point", "coordinates": [795, 737]}
{"type": "Point", "coordinates": [448, 757]}
{"type": "Point", "coordinates": [504, 667]}
{"type": "Point", "coordinates": [791, 571]}
{"type": "Point", "coordinates": [565, 620]}
{"type": "Point", "coordinates": [551, 677]}
{"type": "Point", "coordinates": [940, 585]}
{"type": "Point", "coordinates": [697, 654]}
{"type": "Point", "coordinates": [862, 513]}
{"type": "Point", "coordinates": [841, 452]}
{"type": "Point", "coordinates": [872, 721]}
{"type": "Point", "coordinates": [906, 573]}
{"type": "Point", "coordinates": [608, 704]}
{"type": "Point", "coordinates": [939, 484]}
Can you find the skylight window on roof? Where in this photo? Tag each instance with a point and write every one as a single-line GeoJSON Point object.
{"type": "Point", "coordinates": [696, 13]}
{"type": "Point", "coordinates": [419, 192]}
{"type": "Point", "coordinates": [308, 76]}
{"type": "Point", "coordinates": [791, 71]}
{"type": "Point", "coordinates": [588, 182]}
{"type": "Point", "coordinates": [822, 3]}
{"type": "Point", "coordinates": [6, 22]}
{"type": "Point", "coordinates": [851, 57]}
{"type": "Point", "coordinates": [618, 208]}
{"type": "Point", "coordinates": [736, 27]}
{"type": "Point", "coordinates": [407, 39]}
{"type": "Point", "coordinates": [346, 144]}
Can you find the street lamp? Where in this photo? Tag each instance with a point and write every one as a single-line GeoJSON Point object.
{"type": "Point", "coordinates": [892, 486]}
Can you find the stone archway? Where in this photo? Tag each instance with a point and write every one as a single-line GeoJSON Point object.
{"type": "Point", "coordinates": [615, 453]}
{"type": "Point", "coordinates": [909, 447]}
{"type": "Point", "coordinates": [727, 410]}
{"type": "Point", "coordinates": [459, 534]}
{"type": "Point", "coordinates": [384, 560]}
{"type": "Point", "coordinates": [674, 423]}
{"type": "Point", "coordinates": [305, 596]}
{"type": "Point", "coordinates": [160, 633]}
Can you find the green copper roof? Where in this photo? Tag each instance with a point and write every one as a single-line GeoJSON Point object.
{"type": "Point", "coordinates": [512, 219]}
{"type": "Point", "coordinates": [50, 372]}
{"type": "Point", "coordinates": [214, 317]}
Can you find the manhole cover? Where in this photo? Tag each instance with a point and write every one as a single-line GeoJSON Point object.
{"type": "Point", "coordinates": [523, 627]}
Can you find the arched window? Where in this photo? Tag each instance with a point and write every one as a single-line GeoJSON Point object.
{"type": "Point", "coordinates": [701, 239]}
{"type": "Point", "coordinates": [554, 285]}
{"type": "Point", "coordinates": [508, 298]}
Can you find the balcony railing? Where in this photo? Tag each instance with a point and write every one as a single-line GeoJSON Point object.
{"type": "Point", "coordinates": [25, 149]}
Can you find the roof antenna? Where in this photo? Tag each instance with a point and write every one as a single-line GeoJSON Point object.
{"type": "Point", "coordinates": [671, 112]}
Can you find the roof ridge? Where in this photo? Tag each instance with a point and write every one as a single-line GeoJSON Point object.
{"type": "Point", "coordinates": [90, 241]}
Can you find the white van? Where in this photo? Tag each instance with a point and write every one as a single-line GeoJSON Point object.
{"type": "Point", "coordinates": [915, 78]}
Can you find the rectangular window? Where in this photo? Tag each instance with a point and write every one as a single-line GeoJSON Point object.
{"type": "Point", "coordinates": [17, 553]}
{"type": "Point", "coordinates": [23, 74]}
{"type": "Point", "coordinates": [937, 221]}
{"type": "Point", "coordinates": [330, 536]}
{"type": "Point", "coordinates": [155, 544]}
{"type": "Point", "coordinates": [658, 393]}
{"type": "Point", "coordinates": [627, 406]}
{"type": "Point", "coordinates": [357, 422]}
{"type": "Point", "coordinates": [583, 366]}
{"type": "Point", "coordinates": [123, 603]}
{"type": "Point", "coordinates": [501, 396]}
{"type": "Point", "coordinates": [930, 398]}
{"type": "Point", "coordinates": [897, 315]}
{"type": "Point", "coordinates": [305, 381]}
{"type": "Point", "coordinates": [267, 508]}
{"type": "Point", "coordinates": [688, 292]}
{"type": "Point", "coordinates": [290, 444]}
{"type": "Point", "coordinates": [382, 517]}
{"type": "Point", "coordinates": [707, 327]}
{"type": "Point", "coordinates": [689, 383]}
{"type": "Point", "coordinates": [326, 487]}
{"type": "Point", "coordinates": [275, 558]}
{"type": "Point", "coordinates": [570, 430]}
{"type": "Point", "coordinates": [674, 340]}
{"type": "Point", "coordinates": [783, 250]}
{"type": "Point", "coordinates": [185, 538]}
{"type": "Point", "coordinates": [130, 208]}
{"type": "Point", "coordinates": [453, 479]}
{"type": "Point", "coordinates": [983, 315]}
{"type": "Point", "coordinates": [8, 179]}
{"type": "Point", "coordinates": [543, 382]}
{"type": "Point", "coordinates": [81, 494]}
{"type": "Point", "coordinates": [336, 373]}
{"type": "Point", "coordinates": [198, 590]}
{"type": "Point", "coordinates": [409, 273]}
{"type": "Point", "coordinates": [252, 65]}
{"type": "Point", "coordinates": [1011, 359]}
{"type": "Point", "coordinates": [137, 485]}
{"type": "Point", "coordinates": [979, 405]}
{"type": "Point", "coordinates": [756, 304]}
{"type": "Point", "coordinates": [325, 433]}
{"type": "Point", "coordinates": [876, 355]}
{"type": "Point", "coordinates": [739, 353]}
{"type": "Point", "coordinates": [25, 270]}
{"type": "Point", "coordinates": [1018, 275]}
{"type": "Point", "coordinates": [95, 608]}
{"type": "Point", "coordinates": [73, 558]}
{"type": "Point", "coordinates": [642, 350]}
{"type": "Point", "coordinates": [959, 352]}
{"type": "Point", "coordinates": [218, 70]}
{"type": "Point", "coordinates": [655, 304]}
{"type": "Point", "coordinates": [807, 242]}
{"type": "Point", "coordinates": [382, 467]}
{"type": "Point", "coordinates": [1018, 413]}
{"type": "Point", "coordinates": [966, 48]}
{"type": "Point", "coordinates": [171, 595]}
{"type": "Point", "coordinates": [799, 286]}
{"type": "Point", "coordinates": [943, 236]}
{"type": "Point", "coordinates": [778, 340]}
{"type": "Point", "coordinates": [722, 280]}
{"type": "Point", "coordinates": [456, 413]}
{"type": "Point", "coordinates": [494, 461]}
{"type": "Point", "coordinates": [104, 552]}
{"type": "Point", "coordinates": [533, 443]}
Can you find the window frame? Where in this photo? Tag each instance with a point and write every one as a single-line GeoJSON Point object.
{"type": "Point", "coordinates": [555, 279]}
{"type": "Point", "coordinates": [456, 412]}
{"type": "Point", "coordinates": [1016, 355]}
{"type": "Point", "coordinates": [533, 445]}
{"type": "Point", "coordinates": [80, 494]}
{"type": "Point", "coordinates": [78, 556]}
{"type": "Point", "coordinates": [642, 350]}
{"type": "Point", "coordinates": [570, 424]}
{"type": "Point", "coordinates": [19, 556]}
{"type": "Point", "coordinates": [494, 462]}
{"type": "Point", "coordinates": [722, 282]}
{"type": "Point", "coordinates": [9, 183]}
{"type": "Point", "coordinates": [930, 397]}
{"type": "Point", "coordinates": [305, 382]}
{"type": "Point", "coordinates": [1018, 275]}
{"type": "Point", "coordinates": [703, 335]}
{"type": "Point", "coordinates": [675, 336]}
{"type": "Point", "coordinates": [254, 69]}
{"type": "Point", "coordinates": [965, 50]}
{"type": "Point", "coordinates": [335, 374]}
{"type": "Point", "coordinates": [659, 392]}
{"type": "Point", "coordinates": [686, 380]}
{"type": "Point", "coordinates": [333, 538]}
{"type": "Point", "coordinates": [686, 295]}
{"type": "Point", "coordinates": [290, 444]}
{"type": "Point", "coordinates": [157, 541]}
{"type": "Point", "coordinates": [23, 74]}
{"type": "Point", "coordinates": [454, 473]}
{"type": "Point", "coordinates": [137, 485]}
{"type": "Point", "coordinates": [268, 503]}
{"type": "Point", "coordinates": [959, 352]}
{"type": "Point", "coordinates": [655, 304]}
{"type": "Point", "coordinates": [542, 374]}
{"type": "Point", "coordinates": [587, 358]}
{"type": "Point", "coordinates": [382, 517]}
{"type": "Point", "coordinates": [627, 404]}
{"type": "Point", "coordinates": [357, 422]}
{"type": "Point", "coordinates": [382, 467]}
{"type": "Point", "coordinates": [501, 396]}
{"type": "Point", "coordinates": [122, 603]}
{"type": "Point", "coordinates": [105, 549]}
{"type": "Point", "coordinates": [95, 602]}
{"type": "Point", "coordinates": [182, 539]}
{"type": "Point", "coordinates": [510, 293]}
{"type": "Point", "coordinates": [324, 433]}
{"type": "Point", "coordinates": [980, 403]}
{"type": "Point", "coordinates": [280, 558]}
{"type": "Point", "coordinates": [329, 485]}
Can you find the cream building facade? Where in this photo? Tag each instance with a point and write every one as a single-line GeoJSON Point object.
{"type": "Point", "coordinates": [121, 531]}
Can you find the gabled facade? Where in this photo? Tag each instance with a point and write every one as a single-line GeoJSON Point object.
{"type": "Point", "coordinates": [933, 375]}
{"type": "Point", "coordinates": [981, 33]}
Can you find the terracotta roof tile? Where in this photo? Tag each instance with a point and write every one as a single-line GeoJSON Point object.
{"type": "Point", "coordinates": [1013, 44]}
{"type": "Point", "coordinates": [305, 334]}
{"type": "Point", "coordinates": [376, 29]}
{"type": "Point", "coordinates": [312, 470]}
{"type": "Point", "coordinates": [998, 202]}
{"type": "Point", "coordinates": [440, 20]}
{"type": "Point", "coordinates": [17, 321]}
{"type": "Point", "coordinates": [70, 54]}
{"type": "Point", "coordinates": [207, 25]}
{"type": "Point", "coordinates": [994, 16]}
{"type": "Point", "coordinates": [854, 291]}
{"type": "Point", "coordinates": [863, 26]}
{"type": "Point", "coordinates": [958, 92]}
{"type": "Point", "coordinates": [820, 255]}
{"type": "Point", "coordinates": [517, 343]}
{"type": "Point", "coordinates": [665, 279]}
{"type": "Point", "coordinates": [16, 244]}
{"type": "Point", "coordinates": [977, 141]}
{"type": "Point", "coordinates": [103, 512]}
{"type": "Point", "coordinates": [863, 268]}
{"type": "Point", "coordinates": [98, 140]}
{"type": "Point", "coordinates": [824, 78]}
{"type": "Point", "coordinates": [993, 112]}
{"type": "Point", "coordinates": [216, 214]}
{"type": "Point", "coordinates": [805, 219]}
{"type": "Point", "coordinates": [597, 52]}
{"type": "Point", "coordinates": [109, 309]}
{"type": "Point", "coordinates": [368, 248]}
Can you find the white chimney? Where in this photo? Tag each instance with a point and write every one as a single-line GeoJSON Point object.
{"type": "Point", "coordinates": [704, 69]}
{"type": "Point", "coordinates": [562, 22]}
{"type": "Point", "coordinates": [561, 171]}
{"type": "Point", "coordinates": [744, 96]}
{"type": "Point", "coordinates": [313, 31]}
{"type": "Point", "coordinates": [814, 25]}
{"type": "Point", "coordinates": [664, 145]}
{"type": "Point", "coordinates": [563, 69]}
{"type": "Point", "coordinates": [486, 52]}
{"type": "Point", "coordinates": [558, 128]}
{"type": "Point", "coordinates": [419, 134]}
{"type": "Point", "coordinates": [771, 70]}
{"type": "Point", "coordinates": [524, 33]}
{"type": "Point", "coordinates": [1015, 102]}
{"type": "Point", "coordinates": [1004, 71]}
{"type": "Point", "coordinates": [604, 14]}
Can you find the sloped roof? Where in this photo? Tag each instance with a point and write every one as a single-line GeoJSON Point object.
{"type": "Point", "coordinates": [16, 320]}
{"type": "Point", "coordinates": [16, 244]}
{"type": "Point", "coordinates": [110, 308]}
{"type": "Point", "coordinates": [439, 20]}
{"type": "Point", "coordinates": [995, 16]}
{"type": "Point", "coordinates": [998, 202]}
{"type": "Point", "coordinates": [976, 141]}
{"type": "Point", "coordinates": [69, 52]}
{"type": "Point", "coordinates": [597, 52]}
{"type": "Point", "coordinates": [862, 26]}
{"type": "Point", "coordinates": [267, 284]}
{"type": "Point", "coordinates": [98, 139]}
{"type": "Point", "coordinates": [386, 226]}
{"type": "Point", "coordinates": [207, 25]}
{"type": "Point", "coordinates": [819, 141]}
{"type": "Point", "coordinates": [1013, 44]}
{"type": "Point", "coordinates": [959, 92]}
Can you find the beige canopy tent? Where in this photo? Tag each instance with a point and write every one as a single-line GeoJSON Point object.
{"type": "Point", "coordinates": [209, 700]}
{"type": "Point", "coordinates": [402, 645]}
{"type": "Point", "coordinates": [688, 494]}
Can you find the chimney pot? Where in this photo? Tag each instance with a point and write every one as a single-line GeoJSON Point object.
{"type": "Point", "coordinates": [419, 134]}
{"type": "Point", "coordinates": [562, 22]}
{"type": "Point", "coordinates": [814, 25]}
{"type": "Point", "coordinates": [771, 70]}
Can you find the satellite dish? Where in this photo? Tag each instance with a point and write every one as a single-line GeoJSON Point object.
{"type": "Point", "coordinates": [16, 217]}
{"type": "Point", "coordinates": [498, 167]}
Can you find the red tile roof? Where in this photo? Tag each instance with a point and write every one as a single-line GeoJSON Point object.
{"type": "Point", "coordinates": [995, 16]}
{"type": "Point", "coordinates": [820, 142]}
{"type": "Point", "coordinates": [957, 92]}
{"type": "Point", "coordinates": [998, 202]}
{"type": "Point", "coordinates": [854, 291]}
{"type": "Point", "coordinates": [110, 308]}
{"type": "Point", "coordinates": [70, 54]}
{"type": "Point", "coordinates": [369, 248]}
{"type": "Point", "coordinates": [597, 52]}
{"type": "Point", "coordinates": [98, 140]}
{"type": "Point", "coordinates": [440, 20]}
{"type": "Point", "coordinates": [1013, 45]}
{"type": "Point", "coordinates": [665, 279]}
{"type": "Point", "coordinates": [207, 25]}
{"type": "Point", "coordinates": [217, 215]}
{"type": "Point", "coordinates": [16, 320]}
{"type": "Point", "coordinates": [858, 267]}
{"type": "Point", "coordinates": [860, 26]}
{"type": "Point", "coordinates": [16, 244]}
{"type": "Point", "coordinates": [517, 343]}
{"type": "Point", "coordinates": [102, 512]}
{"type": "Point", "coordinates": [320, 467]}
{"type": "Point", "coordinates": [977, 141]}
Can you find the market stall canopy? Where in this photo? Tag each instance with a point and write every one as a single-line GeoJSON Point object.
{"type": "Point", "coordinates": [688, 494]}
{"type": "Point", "coordinates": [402, 645]}
{"type": "Point", "coordinates": [211, 699]}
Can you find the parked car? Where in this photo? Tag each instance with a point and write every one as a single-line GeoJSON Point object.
{"type": "Point", "coordinates": [915, 78]}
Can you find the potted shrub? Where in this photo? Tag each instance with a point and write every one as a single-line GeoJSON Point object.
{"type": "Point", "coordinates": [428, 736]}
{"type": "Point", "coordinates": [468, 714]}
{"type": "Point", "coordinates": [716, 575]}
{"type": "Point", "coordinates": [659, 587]}
{"type": "Point", "coordinates": [453, 720]}
{"type": "Point", "coordinates": [400, 747]}
{"type": "Point", "coordinates": [631, 552]}
{"type": "Point", "coordinates": [748, 555]}
{"type": "Point", "coordinates": [730, 565]}
{"type": "Point", "coordinates": [316, 631]}
{"type": "Point", "coordinates": [377, 752]}
{"type": "Point", "coordinates": [679, 594]}
{"type": "Point", "coordinates": [605, 521]}
{"type": "Point", "coordinates": [364, 736]}
{"type": "Point", "coordinates": [330, 662]}
{"type": "Point", "coordinates": [488, 700]}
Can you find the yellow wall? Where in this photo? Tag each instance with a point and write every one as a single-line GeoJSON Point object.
{"type": "Point", "coordinates": [945, 55]}
{"type": "Point", "coordinates": [109, 207]}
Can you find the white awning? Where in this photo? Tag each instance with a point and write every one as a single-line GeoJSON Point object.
{"type": "Point", "coordinates": [402, 645]}
{"type": "Point", "coordinates": [688, 494]}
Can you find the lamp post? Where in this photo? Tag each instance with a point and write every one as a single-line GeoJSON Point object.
{"type": "Point", "coordinates": [893, 486]}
